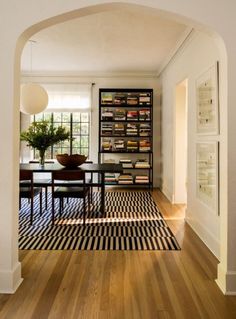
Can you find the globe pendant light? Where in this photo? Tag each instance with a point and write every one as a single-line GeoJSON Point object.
{"type": "Point", "coordinates": [34, 98]}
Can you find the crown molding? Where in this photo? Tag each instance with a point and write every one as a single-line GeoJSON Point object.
{"type": "Point", "coordinates": [93, 75]}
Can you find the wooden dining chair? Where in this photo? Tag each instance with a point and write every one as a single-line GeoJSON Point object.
{"type": "Point", "coordinates": [28, 190]}
{"type": "Point", "coordinates": [40, 182]}
{"type": "Point", "coordinates": [69, 190]}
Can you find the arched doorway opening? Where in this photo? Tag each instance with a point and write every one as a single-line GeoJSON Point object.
{"type": "Point", "coordinates": [57, 19]}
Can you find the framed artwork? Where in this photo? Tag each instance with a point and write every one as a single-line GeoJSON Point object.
{"type": "Point", "coordinates": [207, 172]}
{"type": "Point", "coordinates": [207, 99]}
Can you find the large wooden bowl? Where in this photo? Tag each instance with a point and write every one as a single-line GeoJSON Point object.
{"type": "Point", "coordinates": [71, 161]}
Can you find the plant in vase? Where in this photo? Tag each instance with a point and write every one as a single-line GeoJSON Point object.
{"type": "Point", "coordinates": [42, 135]}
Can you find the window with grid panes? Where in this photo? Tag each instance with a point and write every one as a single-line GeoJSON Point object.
{"type": "Point", "coordinates": [77, 123]}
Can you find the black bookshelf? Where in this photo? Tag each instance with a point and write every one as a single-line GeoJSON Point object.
{"type": "Point", "coordinates": [128, 100]}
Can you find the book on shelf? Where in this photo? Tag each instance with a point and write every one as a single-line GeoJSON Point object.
{"type": "Point", "coordinates": [107, 129]}
{"type": "Point", "coordinates": [119, 129]}
{"type": "Point", "coordinates": [119, 145]}
{"type": "Point", "coordinates": [107, 115]}
{"type": "Point", "coordinates": [144, 130]}
{"type": "Point", "coordinates": [120, 99]}
{"type": "Point", "coordinates": [132, 99]}
{"type": "Point", "coordinates": [125, 179]}
{"type": "Point", "coordinates": [131, 129]}
{"type": "Point", "coordinates": [106, 98]}
{"type": "Point", "coordinates": [144, 115]}
{"type": "Point", "coordinates": [120, 115]}
{"type": "Point", "coordinates": [144, 145]}
{"type": "Point", "coordinates": [141, 179]}
{"type": "Point", "coordinates": [126, 162]}
{"type": "Point", "coordinates": [106, 145]}
{"type": "Point", "coordinates": [142, 163]}
{"type": "Point", "coordinates": [132, 145]}
{"type": "Point", "coordinates": [110, 178]}
{"type": "Point", "coordinates": [144, 98]}
{"type": "Point", "coordinates": [132, 115]}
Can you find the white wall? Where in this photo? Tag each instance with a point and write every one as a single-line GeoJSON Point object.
{"type": "Point", "coordinates": [197, 55]}
{"type": "Point", "coordinates": [110, 81]}
{"type": "Point", "coordinates": [180, 144]}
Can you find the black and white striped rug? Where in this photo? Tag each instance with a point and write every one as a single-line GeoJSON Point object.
{"type": "Point", "coordinates": [132, 222]}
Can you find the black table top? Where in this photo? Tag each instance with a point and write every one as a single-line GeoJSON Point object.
{"type": "Point", "coordinates": [90, 168]}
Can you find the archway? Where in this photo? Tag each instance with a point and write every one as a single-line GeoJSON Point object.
{"type": "Point", "coordinates": [53, 16]}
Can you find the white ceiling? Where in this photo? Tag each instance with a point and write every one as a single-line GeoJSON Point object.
{"type": "Point", "coordinates": [112, 41]}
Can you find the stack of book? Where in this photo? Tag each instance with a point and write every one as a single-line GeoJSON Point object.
{"type": "Point", "coordinates": [144, 115]}
{"type": "Point", "coordinates": [107, 115]}
{"type": "Point", "coordinates": [132, 146]}
{"type": "Point", "coordinates": [119, 129]}
{"type": "Point", "coordinates": [141, 179]}
{"type": "Point", "coordinates": [144, 98]}
{"type": "Point", "coordinates": [110, 178]}
{"type": "Point", "coordinates": [120, 99]}
{"type": "Point", "coordinates": [144, 146]}
{"type": "Point", "coordinates": [120, 115]}
{"type": "Point", "coordinates": [126, 163]}
{"type": "Point", "coordinates": [132, 115]}
{"type": "Point", "coordinates": [125, 179]}
{"type": "Point", "coordinates": [132, 99]}
{"type": "Point", "coordinates": [131, 129]}
{"type": "Point", "coordinates": [106, 98]}
{"type": "Point", "coordinates": [106, 144]}
{"type": "Point", "coordinates": [107, 129]}
{"type": "Point", "coordinates": [144, 130]}
{"type": "Point", "coordinates": [119, 145]}
{"type": "Point", "coordinates": [142, 163]}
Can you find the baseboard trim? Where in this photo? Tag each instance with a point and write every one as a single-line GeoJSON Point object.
{"type": "Point", "coordinates": [226, 281]}
{"type": "Point", "coordinates": [209, 240]}
{"type": "Point", "coordinates": [167, 194]}
{"type": "Point", "coordinates": [10, 280]}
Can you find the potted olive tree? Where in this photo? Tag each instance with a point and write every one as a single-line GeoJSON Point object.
{"type": "Point", "coordinates": [41, 135]}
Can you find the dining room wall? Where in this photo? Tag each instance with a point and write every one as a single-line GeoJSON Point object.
{"type": "Point", "coordinates": [105, 81]}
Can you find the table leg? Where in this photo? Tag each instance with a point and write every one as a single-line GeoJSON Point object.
{"type": "Point", "coordinates": [102, 194]}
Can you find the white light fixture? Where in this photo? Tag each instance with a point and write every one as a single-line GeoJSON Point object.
{"type": "Point", "coordinates": [34, 98]}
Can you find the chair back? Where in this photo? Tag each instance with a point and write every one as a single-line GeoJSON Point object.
{"type": "Point", "coordinates": [68, 176]}
{"type": "Point", "coordinates": [26, 175]}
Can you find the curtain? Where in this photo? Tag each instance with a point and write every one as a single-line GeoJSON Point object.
{"type": "Point", "coordinates": [68, 97]}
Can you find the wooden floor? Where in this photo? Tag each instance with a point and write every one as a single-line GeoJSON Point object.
{"type": "Point", "coordinates": [122, 284]}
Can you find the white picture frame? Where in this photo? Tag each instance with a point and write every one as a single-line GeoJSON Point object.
{"type": "Point", "coordinates": [207, 100]}
{"type": "Point", "coordinates": [207, 174]}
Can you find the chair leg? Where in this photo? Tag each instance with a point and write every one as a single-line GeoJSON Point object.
{"type": "Point", "coordinates": [67, 200]}
{"type": "Point", "coordinates": [40, 202]}
{"type": "Point", "coordinates": [31, 210]}
{"type": "Point", "coordinates": [46, 197]}
{"type": "Point", "coordinates": [84, 215]}
{"type": "Point", "coordinates": [53, 212]}
{"type": "Point", "coordinates": [20, 203]}
{"type": "Point", "coordinates": [60, 206]}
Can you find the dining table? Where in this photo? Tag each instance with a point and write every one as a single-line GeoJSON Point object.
{"type": "Point", "coordinates": [101, 169]}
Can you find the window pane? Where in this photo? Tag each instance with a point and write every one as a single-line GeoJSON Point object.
{"type": "Point", "coordinates": [75, 150]}
{"type": "Point", "coordinates": [65, 117]}
{"type": "Point", "coordinates": [76, 142]}
{"type": "Point", "coordinates": [57, 117]}
{"type": "Point", "coordinates": [84, 117]}
{"type": "Point", "coordinates": [48, 153]}
{"type": "Point", "coordinates": [65, 150]}
{"type": "Point", "coordinates": [65, 144]}
{"type": "Point", "coordinates": [84, 141]}
{"type": "Point", "coordinates": [76, 129]}
{"type": "Point", "coordinates": [84, 129]}
{"type": "Point", "coordinates": [76, 117]}
{"type": "Point", "coordinates": [38, 117]}
{"type": "Point", "coordinates": [47, 116]}
{"type": "Point", "coordinates": [84, 151]}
